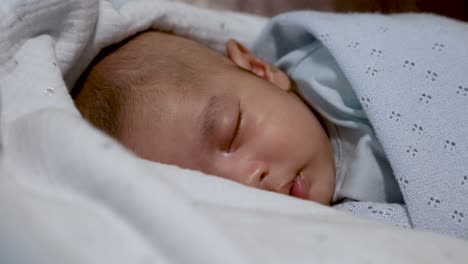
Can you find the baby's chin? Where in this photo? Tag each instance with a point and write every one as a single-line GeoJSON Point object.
{"type": "Point", "coordinates": [322, 183]}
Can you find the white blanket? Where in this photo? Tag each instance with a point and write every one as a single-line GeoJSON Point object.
{"type": "Point", "coordinates": [69, 194]}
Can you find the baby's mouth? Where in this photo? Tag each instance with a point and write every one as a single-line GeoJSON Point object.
{"type": "Point", "coordinates": [300, 187]}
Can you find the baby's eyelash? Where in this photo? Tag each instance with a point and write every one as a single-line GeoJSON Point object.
{"type": "Point", "coordinates": [241, 117]}
{"type": "Point", "coordinates": [236, 130]}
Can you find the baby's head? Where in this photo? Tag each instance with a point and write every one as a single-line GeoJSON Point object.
{"type": "Point", "coordinates": [172, 100]}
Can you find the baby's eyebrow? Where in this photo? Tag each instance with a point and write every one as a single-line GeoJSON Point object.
{"type": "Point", "coordinates": [208, 116]}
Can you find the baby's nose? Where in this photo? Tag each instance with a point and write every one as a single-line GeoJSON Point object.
{"type": "Point", "coordinates": [256, 172]}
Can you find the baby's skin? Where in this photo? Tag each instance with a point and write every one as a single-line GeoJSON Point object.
{"type": "Point", "coordinates": [247, 125]}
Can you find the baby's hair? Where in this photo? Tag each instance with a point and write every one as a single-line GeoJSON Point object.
{"type": "Point", "coordinates": [94, 96]}
{"type": "Point", "coordinates": [121, 76]}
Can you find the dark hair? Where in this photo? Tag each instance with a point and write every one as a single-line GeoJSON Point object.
{"type": "Point", "coordinates": [122, 72]}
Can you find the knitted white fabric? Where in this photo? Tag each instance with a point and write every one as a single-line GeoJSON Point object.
{"type": "Point", "coordinates": [410, 73]}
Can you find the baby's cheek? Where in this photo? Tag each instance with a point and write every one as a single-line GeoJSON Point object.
{"type": "Point", "coordinates": [241, 167]}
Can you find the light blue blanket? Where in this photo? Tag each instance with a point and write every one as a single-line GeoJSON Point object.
{"type": "Point", "coordinates": [410, 73]}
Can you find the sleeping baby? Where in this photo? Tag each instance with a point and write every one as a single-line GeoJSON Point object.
{"type": "Point", "coordinates": [172, 100]}
{"type": "Point", "coordinates": [363, 112]}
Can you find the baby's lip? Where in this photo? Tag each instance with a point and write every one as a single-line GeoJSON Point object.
{"type": "Point", "coordinates": [300, 187]}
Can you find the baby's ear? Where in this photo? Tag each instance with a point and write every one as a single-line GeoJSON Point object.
{"type": "Point", "coordinates": [246, 60]}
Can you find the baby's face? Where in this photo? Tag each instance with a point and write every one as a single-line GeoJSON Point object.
{"type": "Point", "coordinates": [243, 128]}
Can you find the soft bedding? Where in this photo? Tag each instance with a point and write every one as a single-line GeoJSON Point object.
{"type": "Point", "coordinates": [409, 73]}
{"type": "Point", "coordinates": [70, 194]}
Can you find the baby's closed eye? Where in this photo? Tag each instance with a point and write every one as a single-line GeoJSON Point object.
{"type": "Point", "coordinates": [232, 139]}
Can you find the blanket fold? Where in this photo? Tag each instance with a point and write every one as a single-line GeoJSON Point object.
{"type": "Point", "coordinates": [409, 72]}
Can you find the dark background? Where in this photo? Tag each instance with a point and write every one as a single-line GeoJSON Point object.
{"type": "Point", "coordinates": [452, 8]}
